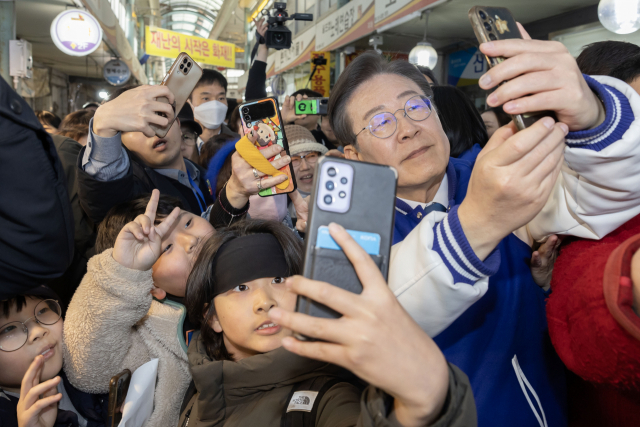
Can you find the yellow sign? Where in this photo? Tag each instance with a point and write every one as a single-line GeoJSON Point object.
{"type": "Point", "coordinates": [321, 80]}
{"type": "Point", "coordinates": [169, 44]}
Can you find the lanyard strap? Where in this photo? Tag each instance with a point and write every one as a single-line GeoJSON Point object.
{"type": "Point", "coordinates": [198, 193]}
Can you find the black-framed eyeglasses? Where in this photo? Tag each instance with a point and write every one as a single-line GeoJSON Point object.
{"type": "Point", "coordinates": [14, 335]}
{"type": "Point", "coordinates": [383, 125]}
{"type": "Point", "coordinates": [311, 159]}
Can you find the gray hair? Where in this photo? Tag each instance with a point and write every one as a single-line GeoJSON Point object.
{"type": "Point", "coordinates": [363, 68]}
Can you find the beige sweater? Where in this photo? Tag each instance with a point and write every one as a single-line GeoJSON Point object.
{"type": "Point", "coordinates": [113, 323]}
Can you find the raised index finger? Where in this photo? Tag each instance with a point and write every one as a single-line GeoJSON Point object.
{"type": "Point", "coordinates": [512, 47]}
{"type": "Point", "coordinates": [31, 377]}
{"type": "Point", "coordinates": [152, 206]}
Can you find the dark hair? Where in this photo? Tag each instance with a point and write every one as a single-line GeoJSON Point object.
{"type": "Point", "coordinates": [601, 58]}
{"type": "Point", "coordinates": [429, 73]}
{"type": "Point", "coordinates": [233, 120]}
{"type": "Point", "coordinates": [122, 214]}
{"type": "Point", "coordinates": [211, 147]}
{"type": "Point", "coordinates": [310, 93]}
{"type": "Point", "coordinates": [200, 285]}
{"type": "Point", "coordinates": [19, 301]}
{"type": "Point", "coordinates": [76, 124]}
{"type": "Point", "coordinates": [363, 68]}
{"type": "Point", "coordinates": [502, 117]}
{"type": "Point", "coordinates": [628, 71]}
{"type": "Point", "coordinates": [232, 103]}
{"type": "Point", "coordinates": [460, 119]}
{"type": "Point", "coordinates": [48, 118]}
{"type": "Point", "coordinates": [210, 77]}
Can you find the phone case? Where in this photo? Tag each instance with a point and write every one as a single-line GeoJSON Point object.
{"type": "Point", "coordinates": [319, 107]}
{"type": "Point", "coordinates": [371, 210]}
{"type": "Point", "coordinates": [497, 23]}
{"type": "Point", "coordinates": [181, 84]}
{"type": "Point", "coordinates": [118, 387]}
{"type": "Point", "coordinates": [270, 132]}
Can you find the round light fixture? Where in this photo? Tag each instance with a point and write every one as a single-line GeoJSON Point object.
{"type": "Point", "coordinates": [424, 55]}
{"type": "Point", "coordinates": [620, 16]}
{"type": "Point", "coordinates": [103, 94]}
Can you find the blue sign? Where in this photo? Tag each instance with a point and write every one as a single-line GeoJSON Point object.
{"type": "Point", "coordinates": [116, 72]}
{"type": "Point", "coordinates": [466, 67]}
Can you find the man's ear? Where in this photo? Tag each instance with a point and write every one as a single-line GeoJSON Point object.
{"type": "Point", "coordinates": [158, 293]}
{"type": "Point", "coordinates": [350, 153]}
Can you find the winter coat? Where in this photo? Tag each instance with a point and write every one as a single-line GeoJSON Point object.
{"type": "Point", "coordinates": [113, 323]}
{"type": "Point", "coordinates": [255, 391]}
{"type": "Point", "coordinates": [595, 330]}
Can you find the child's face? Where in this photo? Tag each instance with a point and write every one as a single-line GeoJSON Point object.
{"type": "Point", "coordinates": [180, 248]}
{"type": "Point", "coordinates": [242, 314]}
{"type": "Point", "coordinates": [42, 339]}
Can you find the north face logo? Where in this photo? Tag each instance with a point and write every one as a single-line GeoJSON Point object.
{"type": "Point", "coordinates": [301, 400]}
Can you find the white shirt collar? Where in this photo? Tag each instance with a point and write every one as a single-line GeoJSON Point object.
{"type": "Point", "coordinates": [442, 196]}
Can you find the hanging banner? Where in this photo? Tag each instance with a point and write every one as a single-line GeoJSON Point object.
{"type": "Point", "coordinates": [321, 80]}
{"type": "Point", "coordinates": [466, 67]}
{"type": "Point", "coordinates": [388, 11]}
{"type": "Point", "coordinates": [76, 32]}
{"type": "Point", "coordinates": [169, 44]}
{"type": "Point", "coordinates": [351, 22]}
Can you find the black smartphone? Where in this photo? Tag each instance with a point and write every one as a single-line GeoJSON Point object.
{"type": "Point", "coordinates": [263, 116]}
{"type": "Point", "coordinates": [118, 387]}
{"type": "Point", "coordinates": [497, 23]}
{"type": "Point", "coordinates": [361, 197]}
{"type": "Point", "coordinates": [312, 106]}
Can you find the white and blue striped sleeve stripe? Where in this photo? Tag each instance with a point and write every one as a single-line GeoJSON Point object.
{"type": "Point", "coordinates": [453, 247]}
{"type": "Point", "coordinates": [619, 117]}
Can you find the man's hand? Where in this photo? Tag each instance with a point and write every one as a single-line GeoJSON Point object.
{"type": "Point", "coordinates": [542, 261]}
{"type": "Point", "coordinates": [134, 111]}
{"type": "Point", "coordinates": [139, 244]}
{"type": "Point", "coordinates": [243, 182]}
{"type": "Point", "coordinates": [301, 206]}
{"type": "Point", "coordinates": [511, 181]}
{"type": "Point", "coordinates": [376, 339]}
{"type": "Point", "coordinates": [546, 71]}
{"type": "Point", "coordinates": [261, 26]}
{"type": "Point", "coordinates": [263, 50]}
{"type": "Point", "coordinates": [288, 111]}
{"type": "Point", "coordinates": [38, 404]}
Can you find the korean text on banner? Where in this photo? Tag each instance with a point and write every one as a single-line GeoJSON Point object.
{"type": "Point", "coordinates": [169, 44]}
{"type": "Point", "coordinates": [321, 78]}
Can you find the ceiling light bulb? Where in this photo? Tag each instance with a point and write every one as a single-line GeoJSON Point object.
{"type": "Point", "coordinates": [424, 55]}
{"type": "Point", "coordinates": [620, 16]}
{"type": "Point", "coordinates": [102, 94]}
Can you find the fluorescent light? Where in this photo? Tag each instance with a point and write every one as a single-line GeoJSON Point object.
{"type": "Point", "coordinates": [234, 73]}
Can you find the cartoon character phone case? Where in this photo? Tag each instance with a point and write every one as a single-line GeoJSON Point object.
{"type": "Point", "coordinates": [263, 118]}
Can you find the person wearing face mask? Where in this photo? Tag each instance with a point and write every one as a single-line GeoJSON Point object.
{"type": "Point", "coordinates": [209, 103]}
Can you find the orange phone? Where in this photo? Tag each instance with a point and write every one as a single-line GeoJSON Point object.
{"type": "Point", "coordinates": [182, 77]}
{"type": "Point", "coordinates": [497, 23]}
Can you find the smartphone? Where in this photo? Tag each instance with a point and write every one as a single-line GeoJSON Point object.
{"type": "Point", "coordinates": [497, 23]}
{"type": "Point", "coordinates": [263, 116]}
{"type": "Point", "coordinates": [312, 106]}
{"type": "Point", "coordinates": [361, 197]}
{"type": "Point", "coordinates": [182, 77]}
{"type": "Point", "coordinates": [118, 387]}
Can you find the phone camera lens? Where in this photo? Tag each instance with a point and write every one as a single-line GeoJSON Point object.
{"type": "Point", "coordinates": [181, 66]}
{"type": "Point", "coordinates": [330, 185]}
{"type": "Point", "coordinates": [487, 26]}
{"type": "Point", "coordinates": [245, 110]}
{"type": "Point", "coordinates": [247, 119]}
{"type": "Point", "coordinates": [184, 60]}
{"type": "Point", "coordinates": [482, 15]}
{"type": "Point", "coordinates": [331, 171]}
{"type": "Point", "coordinates": [188, 64]}
{"type": "Point", "coordinates": [344, 180]}
{"type": "Point", "coordinates": [492, 36]}
{"type": "Point", "coordinates": [342, 194]}
{"type": "Point", "coordinates": [490, 21]}
{"type": "Point", "coordinates": [328, 199]}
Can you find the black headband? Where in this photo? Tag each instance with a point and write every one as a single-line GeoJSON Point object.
{"type": "Point", "coordinates": [247, 258]}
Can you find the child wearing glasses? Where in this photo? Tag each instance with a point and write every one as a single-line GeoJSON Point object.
{"type": "Point", "coordinates": [34, 391]}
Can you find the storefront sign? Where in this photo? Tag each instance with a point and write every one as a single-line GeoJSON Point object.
{"type": "Point", "coordinates": [116, 72]}
{"type": "Point", "coordinates": [299, 53]}
{"type": "Point", "coordinates": [321, 80]}
{"type": "Point", "coordinates": [388, 11]}
{"type": "Point", "coordinates": [466, 67]}
{"type": "Point", "coordinates": [76, 32]}
{"type": "Point", "coordinates": [169, 44]}
{"type": "Point", "coordinates": [350, 22]}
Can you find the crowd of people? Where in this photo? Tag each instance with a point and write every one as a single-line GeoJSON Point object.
{"type": "Point", "coordinates": [514, 281]}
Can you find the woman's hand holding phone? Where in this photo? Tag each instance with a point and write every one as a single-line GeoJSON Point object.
{"type": "Point", "coordinates": [376, 339]}
{"type": "Point", "coordinates": [547, 72]}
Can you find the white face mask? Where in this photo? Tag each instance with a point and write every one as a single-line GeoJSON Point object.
{"type": "Point", "coordinates": [211, 114]}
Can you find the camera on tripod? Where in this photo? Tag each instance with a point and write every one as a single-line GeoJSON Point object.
{"type": "Point", "coordinates": [278, 35]}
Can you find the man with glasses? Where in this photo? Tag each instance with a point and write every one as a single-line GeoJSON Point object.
{"type": "Point", "coordinates": [191, 130]}
{"type": "Point", "coordinates": [305, 152]}
{"type": "Point", "coordinates": [456, 265]}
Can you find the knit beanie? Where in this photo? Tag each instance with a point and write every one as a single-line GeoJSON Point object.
{"type": "Point", "coordinates": [301, 139]}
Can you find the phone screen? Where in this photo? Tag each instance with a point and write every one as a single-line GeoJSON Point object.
{"type": "Point", "coordinates": [306, 106]}
{"type": "Point", "coordinates": [264, 118]}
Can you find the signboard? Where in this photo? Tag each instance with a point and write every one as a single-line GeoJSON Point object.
{"type": "Point", "coordinates": [388, 11]}
{"type": "Point", "coordinates": [351, 21]}
{"type": "Point", "coordinates": [298, 54]}
{"type": "Point", "coordinates": [169, 44]}
{"type": "Point", "coordinates": [321, 80]}
{"type": "Point", "coordinates": [466, 67]}
{"type": "Point", "coordinates": [116, 72]}
{"type": "Point", "coordinates": [76, 32]}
